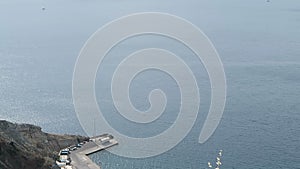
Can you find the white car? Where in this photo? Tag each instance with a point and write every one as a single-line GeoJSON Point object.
{"type": "Point", "coordinates": [60, 163]}
{"type": "Point", "coordinates": [65, 159]}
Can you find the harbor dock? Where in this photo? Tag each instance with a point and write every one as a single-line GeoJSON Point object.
{"type": "Point", "coordinates": [79, 156]}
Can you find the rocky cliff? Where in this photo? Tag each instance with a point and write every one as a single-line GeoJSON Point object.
{"type": "Point", "coordinates": [25, 146]}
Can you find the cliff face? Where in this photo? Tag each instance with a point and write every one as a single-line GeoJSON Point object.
{"type": "Point", "coordinates": [25, 146]}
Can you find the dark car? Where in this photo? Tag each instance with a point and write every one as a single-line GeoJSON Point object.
{"type": "Point", "coordinates": [64, 152]}
{"type": "Point", "coordinates": [73, 148]}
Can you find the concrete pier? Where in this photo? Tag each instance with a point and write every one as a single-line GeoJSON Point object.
{"type": "Point", "coordinates": [79, 157]}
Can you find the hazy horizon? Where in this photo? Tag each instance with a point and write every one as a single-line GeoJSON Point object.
{"type": "Point", "coordinates": [258, 43]}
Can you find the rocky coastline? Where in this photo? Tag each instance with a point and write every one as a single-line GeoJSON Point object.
{"type": "Point", "coordinates": [26, 146]}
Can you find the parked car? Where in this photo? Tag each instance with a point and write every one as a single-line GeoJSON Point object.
{"type": "Point", "coordinates": [64, 152]}
{"type": "Point", "coordinates": [73, 148]}
{"type": "Point", "coordinates": [65, 159]}
{"type": "Point", "coordinates": [60, 163]}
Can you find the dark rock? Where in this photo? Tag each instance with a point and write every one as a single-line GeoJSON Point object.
{"type": "Point", "coordinates": [25, 146]}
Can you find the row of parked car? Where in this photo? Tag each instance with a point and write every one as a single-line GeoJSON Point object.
{"type": "Point", "coordinates": [75, 147]}
{"type": "Point", "coordinates": [64, 157]}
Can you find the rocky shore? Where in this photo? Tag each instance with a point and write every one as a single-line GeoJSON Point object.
{"type": "Point", "coordinates": [28, 147]}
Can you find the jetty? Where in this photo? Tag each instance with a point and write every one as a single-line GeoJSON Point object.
{"type": "Point", "coordinates": [78, 154]}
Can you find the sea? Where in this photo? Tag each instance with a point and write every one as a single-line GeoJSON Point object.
{"type": "Point", "coordinates": [258, 42]}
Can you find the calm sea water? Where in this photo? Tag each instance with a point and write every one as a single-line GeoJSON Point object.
{"type": "Point", "coordinates": [258, 42]}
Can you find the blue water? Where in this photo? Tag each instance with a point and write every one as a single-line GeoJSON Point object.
{"type": "Point", "coordinates": [258, 42]}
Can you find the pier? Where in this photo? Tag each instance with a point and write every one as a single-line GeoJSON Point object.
{"type": "Point", "coordinates": [79, 157]}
